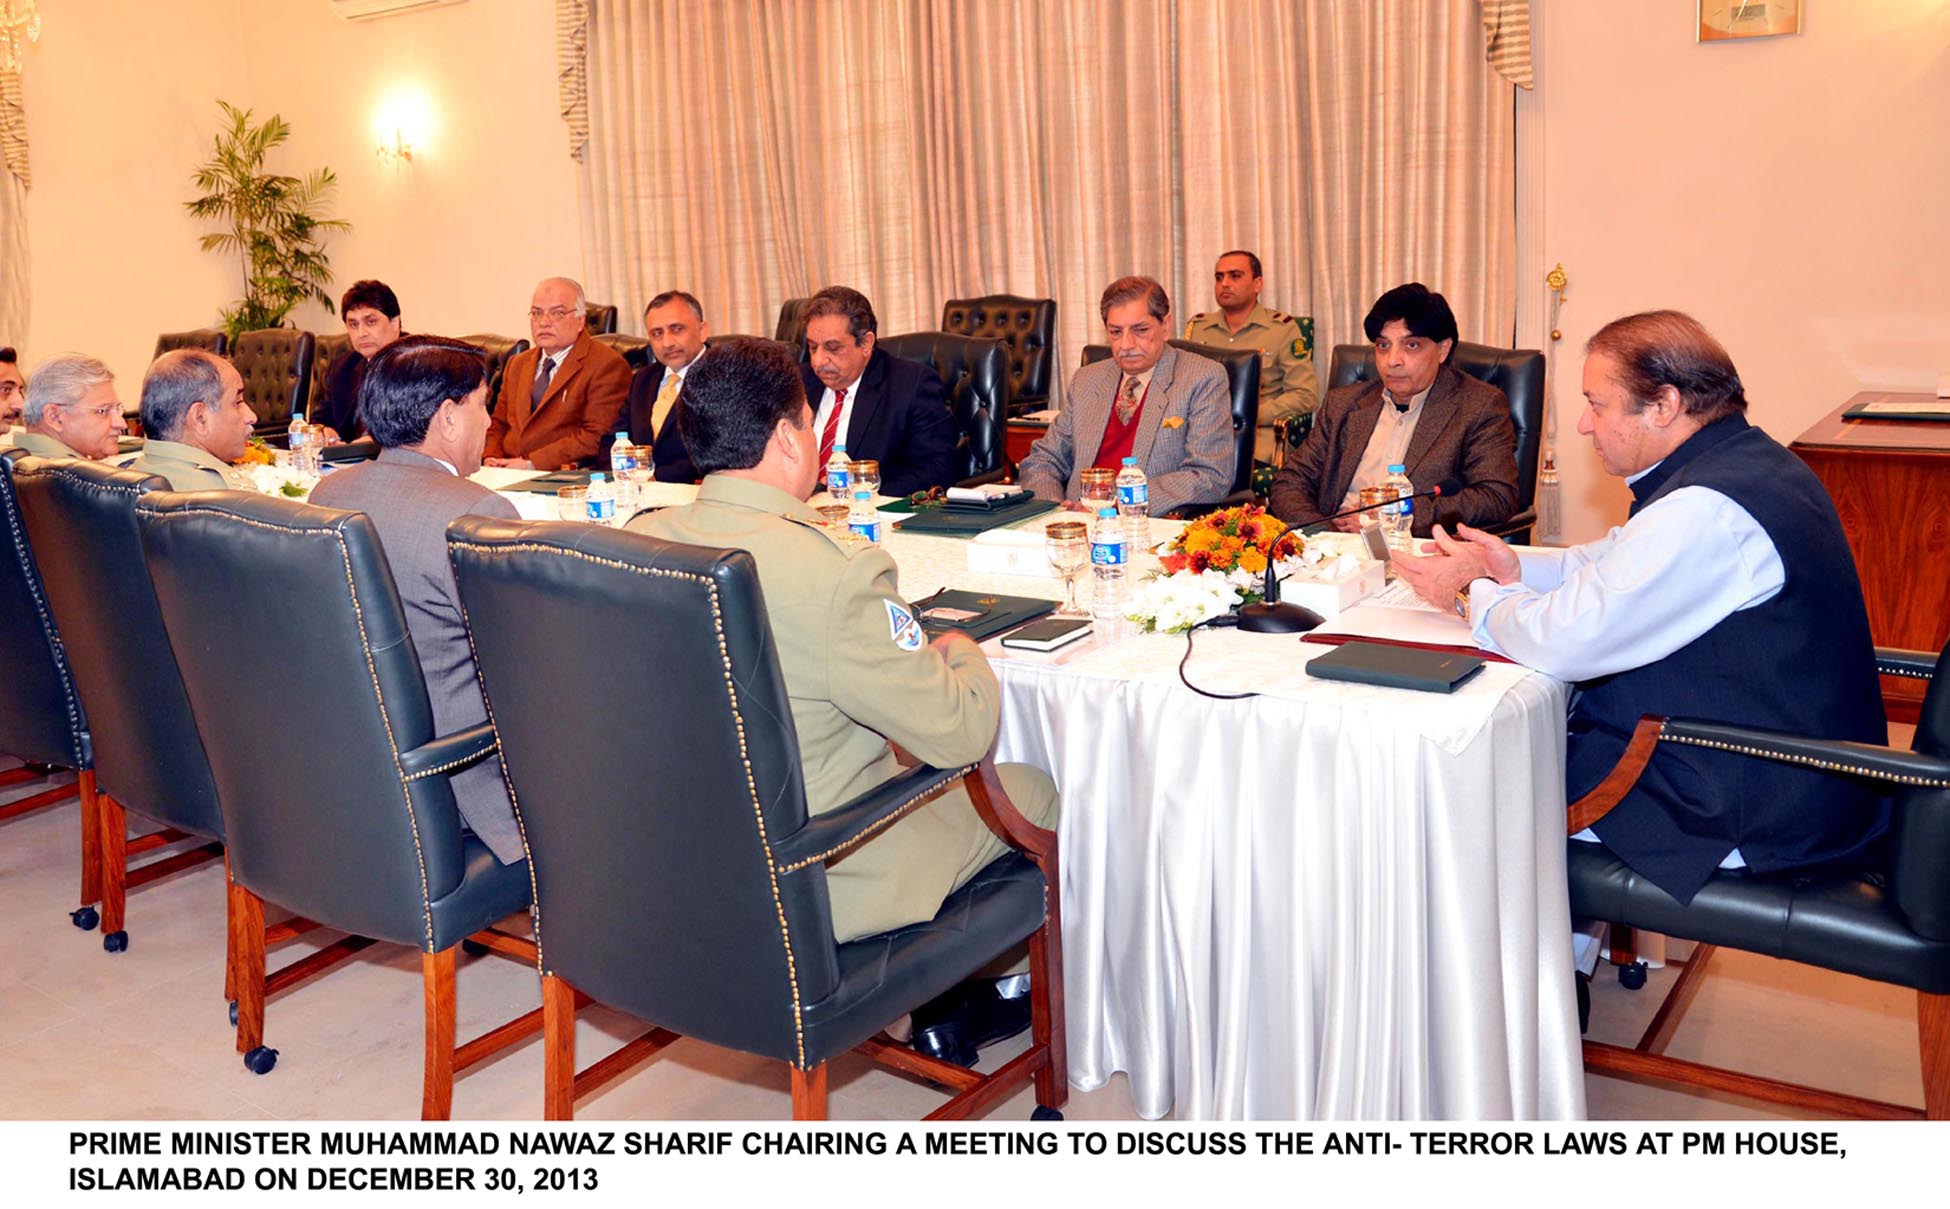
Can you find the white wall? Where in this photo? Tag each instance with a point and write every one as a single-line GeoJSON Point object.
{"type": "Point", "coordinates": [121, 105]}
{"type": "Point", "coordinates": [1788, 192]}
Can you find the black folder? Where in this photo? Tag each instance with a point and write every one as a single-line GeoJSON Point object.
{"type": "Point", "coordinates": [980, 615]}
{"type": "Point", "coordinates": [1396, 666]}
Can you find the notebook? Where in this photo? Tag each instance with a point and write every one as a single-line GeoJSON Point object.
{"type": "Point", "coordinates": [1393, 666]}
{"type": "Point", "coordinates": [978, 614]}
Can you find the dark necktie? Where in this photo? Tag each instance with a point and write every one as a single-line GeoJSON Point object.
{"type": "Point", "coordinates": [1127, 401]}
{"type": "Point", "coordinates": [543, 373]}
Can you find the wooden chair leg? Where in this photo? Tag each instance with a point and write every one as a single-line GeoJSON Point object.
{"type": "Point", "coordinates": [229, 937]}
{"type": "Point", "coordinates": [91, 838]}
{"type": "Point", "coordinates": [114, 831]}
{"type": "Point", "coordinates": [246, 978]}
{"type": "Point", "coordinates": [1046, 1022]}
{"type": "Point", "coordinates": [1933, 1025]}
{"type": "Point", "coordinates": [809, 1093]}
{"type": "Point", "coordinates": [437, 1092]}
{"type": "Point", "coordinates": [558, 1049]}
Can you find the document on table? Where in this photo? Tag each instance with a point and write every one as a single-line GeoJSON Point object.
{"type": "Point", "coordinates": [1398, 614]}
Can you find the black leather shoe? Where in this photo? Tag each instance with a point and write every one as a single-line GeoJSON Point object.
{"type": "Point", "coordinates": [956, 1025]}
{"type": "Point", "coordinates": [1584, 1004]}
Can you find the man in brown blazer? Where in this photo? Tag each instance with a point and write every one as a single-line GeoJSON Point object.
{"type": "Point", "coordinates": [560, 398]}
{"type": "Point", "coordinates": [1438, 423]}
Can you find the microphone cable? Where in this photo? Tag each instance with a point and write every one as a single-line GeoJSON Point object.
{"type": "Point", "coordinates": [1223, 621]}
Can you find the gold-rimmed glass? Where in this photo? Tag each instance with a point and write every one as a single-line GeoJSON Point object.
{"type": "Point", "coordinates": [1098, 489]}
{"type": "Point", "coordinates": [866, 473]}
{"type": "Point", "coordinates": [1068, 545]}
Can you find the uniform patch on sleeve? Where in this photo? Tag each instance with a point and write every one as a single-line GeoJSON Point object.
{"type": "Point", "coordinates": [906, 630]}
{"type": "Point", "coordinates": [1300, 350]}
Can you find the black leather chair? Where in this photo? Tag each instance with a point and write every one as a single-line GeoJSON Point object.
{"type": "Point", "coordinates": [1518, 373]}
{"type": "Point", "coordinates": [148, 754]}
{"type": "Point", "coordinates": [791, 329]}
{"type": "Point", "coordinates": [275, 363]}
{"type": "Point", "coordinates": [1242, 387]}
{"type": "Point", "coordinates": [694, 895]}
{"type": "Point", "coordinates": [348, 819]}
{"type": "Point", "coordinates": [211, 338]}
{"type": "Point", "coordinates": [1890, 924]}
{"type": "Point", "coordinates": [635, 349]}
{"type": "Point", "coordinates": [976, 373]}
{"type": "Point", "coordinates": [41, 719]}
{"type": "Point", "coordinates": [599, 317]}
{"type": "Point", "coordinates": [1027, 325]}
{"type": "Point", "coordinates": [324, 350]}
{"type": "Point", "coordinates": [497, 350]}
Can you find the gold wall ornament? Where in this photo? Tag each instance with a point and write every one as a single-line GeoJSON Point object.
{"type": "Point", "coordinates": [1549, 529]}
{"type": "Point", "coordinates": [20, 23]}
{"type": "Point", "coordinates": [1724, 20]}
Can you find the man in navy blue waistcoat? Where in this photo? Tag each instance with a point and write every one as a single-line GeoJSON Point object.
{"type": "Point", "coordinates": [1728, 594]}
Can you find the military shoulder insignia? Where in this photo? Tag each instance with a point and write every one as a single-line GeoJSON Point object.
{"type": "Point", "coordinates": [1299, 350]}
{"type": "Point", "coordinates": [1197, 317]}
{"type": "Point", "coordinates": [906, 630]}
{"type": "Point", "coordinates": [1282, 317]}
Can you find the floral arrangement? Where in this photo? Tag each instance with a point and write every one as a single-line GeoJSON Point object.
{"type": "Point", "coordinates": [1214, 565]}
{"type": "Point", "coordinates": [273, 480]}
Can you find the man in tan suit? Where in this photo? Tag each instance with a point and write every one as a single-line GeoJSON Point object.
{"type": "Point", "coordinates": [860, 674]}
{"type": "Point", "coordinates": [71, 409]}
{"type": "Point", "coordinates": [1287, 386]}
{"type": "Point", "coordinates": [197, 422]}
{"type": "Point", "coordinates": [560, 398]}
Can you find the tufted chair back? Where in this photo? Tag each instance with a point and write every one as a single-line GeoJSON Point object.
{"type": "Point", "coordinates": [41, 719]}
{"type": "Point", "coordinates": [976, 373]}
{"type": "Point", "coordinates": [1242, 389]}
{"type": "Point", "coordinates": [324, 350]}
{"type": "Point", "coordinates": [497, 350]}
{"type": "Point", "coordinates": [211, 338]}
{"type": "Point", "coordinates": [635, 349]}
{"type": "Point", "coordinates": [275, 363]}
{"type": "Point", "coordinates": [1026, 325]}
{"type": "Point", "coordinates": [599, 317]}
{"type": "Point", "coordinates": [147, 748]}
{"type": "Point", "coordinates": [791, 329]}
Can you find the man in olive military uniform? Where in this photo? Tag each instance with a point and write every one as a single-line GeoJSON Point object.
{"type": "Point", "coordinates": [1287, 386]}
{"type": "Point", "coordinates": [859, 671]}
{"type": "Point", "coordinates": [197, 422]}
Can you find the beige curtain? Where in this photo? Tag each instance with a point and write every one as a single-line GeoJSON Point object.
{"type": "Point", "coordinates": [14, 299]}
{"type": "Point", "coordinates": [755, 150]}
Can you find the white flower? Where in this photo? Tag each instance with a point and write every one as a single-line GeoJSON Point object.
{"type": "Point", "coordinates": [280, 481]}
{"type": "Point", "coordinates": [1174, 603]}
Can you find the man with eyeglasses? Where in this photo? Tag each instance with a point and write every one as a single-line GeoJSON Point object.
{"type": "Point", "coordinates": [560, 398]}
{"type": "Point", "coordinates": [11, 386]}
{"type": "Point", "coordinates": [71, 409]}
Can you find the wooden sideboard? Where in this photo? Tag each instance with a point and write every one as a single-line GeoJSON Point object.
{"type": "Point", "coordinates": [1890, 480]}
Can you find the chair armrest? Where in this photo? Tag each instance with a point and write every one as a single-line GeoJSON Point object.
{"type": "Point", "coordinates": [994, 475]}
{"type": "Point", "coordinates": [831, 835]}
{"type": "Point", "coordinates": [1887, 764]}
{"type": "Point", "coordinates": [1913, 665]}
{"type": "Point", "coordinates": [1523, 520]}
{"type": "Point", "coordinates": [450, 753]}
{"type": "Point", "coordinates": [1187, 512]}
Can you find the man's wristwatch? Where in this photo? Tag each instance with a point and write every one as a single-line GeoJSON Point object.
{"type": "Point", "coordinates": [1461, 601]}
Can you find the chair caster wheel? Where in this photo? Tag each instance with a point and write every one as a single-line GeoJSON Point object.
{"type": "Point", "coordinates": [1045, 1114]}
{"type": "Point", "coordinates": [473, 948]}
{"type": "Point", "coordinates": [260, 1060]}
{"type": "Point", "coordinates": [1632, 977]}
{"type": "Point", "coordinates": [233, 1013]}
{"type": "Point", "coordinates": [85, 919]}
{"type": "Point", "coordinates": [115, 942]}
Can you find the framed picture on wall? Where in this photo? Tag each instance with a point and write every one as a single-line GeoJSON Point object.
{"type": "Point", "coordinates": [1721, 20]}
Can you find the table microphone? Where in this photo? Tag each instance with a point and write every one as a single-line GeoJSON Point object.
{"type": "Point", "coordinates": [1445, 487]}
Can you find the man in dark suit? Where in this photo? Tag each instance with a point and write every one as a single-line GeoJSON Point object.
{"type": "Point", "coordinates": [560, 398]}
{"type": "Point", "coordinates": [424, 400]}
{"type": "Point", "coordinates": [674, 321]}
{"type": "Point", "coordinates": [1166, 408]}
{"type": "Point", "coordinates": [880, 407]}
{"type": "Point", "coordinates": [1436, 422]}
{"type": "Point", "coordinates": [370, 310]}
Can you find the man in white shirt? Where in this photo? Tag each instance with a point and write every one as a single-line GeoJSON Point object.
{"type": "Point", "coordinates": [674, 322]}
{"type": "Point", "coordinates": [1729, 594]}
{"type": "Point", "coordinates": [876, 406]}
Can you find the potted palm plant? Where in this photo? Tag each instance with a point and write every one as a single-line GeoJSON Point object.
{"type": "Point", "coordinates": [274, 224]}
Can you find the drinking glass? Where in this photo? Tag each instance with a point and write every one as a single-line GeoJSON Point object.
{"type": "Point", "coordinates": [1068, 545]}
{"type": "Point", "coordinates": [572, 503]}
{"type": "Point", "coordinates": [1098, 490]}
{"type": "Point", "coordinates": [866, 473]}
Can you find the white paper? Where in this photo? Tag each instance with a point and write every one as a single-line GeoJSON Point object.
{"type": "Point", "coordinates": [1402, 624]}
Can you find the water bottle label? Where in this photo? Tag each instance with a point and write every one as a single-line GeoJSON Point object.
{"type": "Point", "coordinates": [622, 464]}
{"type": "Point", "coordinates": [1131, 495]}
{"type": "Point", "coordinates": [602, 511]}
{"type": "Point", "coordinates": [869, 530]}
{"type": "Point", "coordinates": [839, 480]}
{"type": "Point", "coordinates": [1107, 554]}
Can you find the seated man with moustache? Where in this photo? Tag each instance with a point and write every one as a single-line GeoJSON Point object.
{"type": "Point", "coordinates": [560, 398]}
{"type": "Point", "coordinates": [197, 422]}
{"type": "Point", "coordinates": [71, 409]}
{"type": "Point", "coordinates": [1420, 413]}
{"type": "Point", "coordinates": [424, 400]}
{"type": "Point", "coordinates": [878, 406]}
{"type": "Point", "coordinates": [858, 672]}
{"type": "Point", "coordinates": [1168, 409]}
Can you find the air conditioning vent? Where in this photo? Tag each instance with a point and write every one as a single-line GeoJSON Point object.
{"type": "Point", "coordinates": [372, 10]}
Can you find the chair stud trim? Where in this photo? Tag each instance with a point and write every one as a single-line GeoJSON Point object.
{"type": "Point", "coordinates": [894, 816]}
{"type": "Point", "coordinates": [1904, 671]}
{"type": "Point", "coordinates": [450, 765]}
{"type": "Point", "coordinates": [1768, 753]}
{"type": "Point", "coordinates": [772, 868]}
{"type": "Point", "coordinates": [31, 572]}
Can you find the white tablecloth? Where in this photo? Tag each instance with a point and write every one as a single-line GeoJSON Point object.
{"type": "Point", "coordinates": [1329, 901]}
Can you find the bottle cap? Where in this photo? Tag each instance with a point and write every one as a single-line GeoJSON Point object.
{"type": "Point", "coordinates": [863, 494]}
{"type": "Point", "coordinates": [1107, 513]}
{"type": "Point", "coordinates": [1397, 468]}
{"type": "Point", "coordinates": [1130, 461]}
{"type": "Point", "coordinates": [598, 477]}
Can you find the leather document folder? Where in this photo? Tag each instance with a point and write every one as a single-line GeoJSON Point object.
{"type": "Point", "coordinates": [1396, 666]}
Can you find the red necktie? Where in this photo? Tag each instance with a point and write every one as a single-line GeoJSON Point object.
{"type": "Point", "coordinates": [832, 431]}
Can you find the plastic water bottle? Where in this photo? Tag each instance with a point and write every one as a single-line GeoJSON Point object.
{"type": "Point", "coordinates": [295, 440]}
{"type": "Point", "coordinates": [602, 499]}
{"type": "Point", "coordinates": [1109, 555]}
{"type": "Point", "coordinates": [1134, 504]}
{"type": "Point", "coordinates": [861, 518]}
{"type": "Point", "coordinates": [622, 458]}
{"type": "Point", "coordinates": [839, 476]}
{"type": "Point", "coordinates": [1398, 514]}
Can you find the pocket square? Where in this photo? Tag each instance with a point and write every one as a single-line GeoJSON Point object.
{"type": "Point", "coordinates": [1172, 422]}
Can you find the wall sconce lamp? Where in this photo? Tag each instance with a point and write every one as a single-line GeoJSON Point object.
{"type": "Point", "coordinates": [398, 153]}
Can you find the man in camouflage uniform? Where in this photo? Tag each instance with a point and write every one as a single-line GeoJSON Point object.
{"type": "Point", "coordinates": [1287, 386]}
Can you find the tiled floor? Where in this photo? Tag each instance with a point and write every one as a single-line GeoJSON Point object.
{"type": "Point", "coordinates": [143, 1034]}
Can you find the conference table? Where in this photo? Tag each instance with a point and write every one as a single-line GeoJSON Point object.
{"type": "Point", "coordinates": [1327, 901]}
